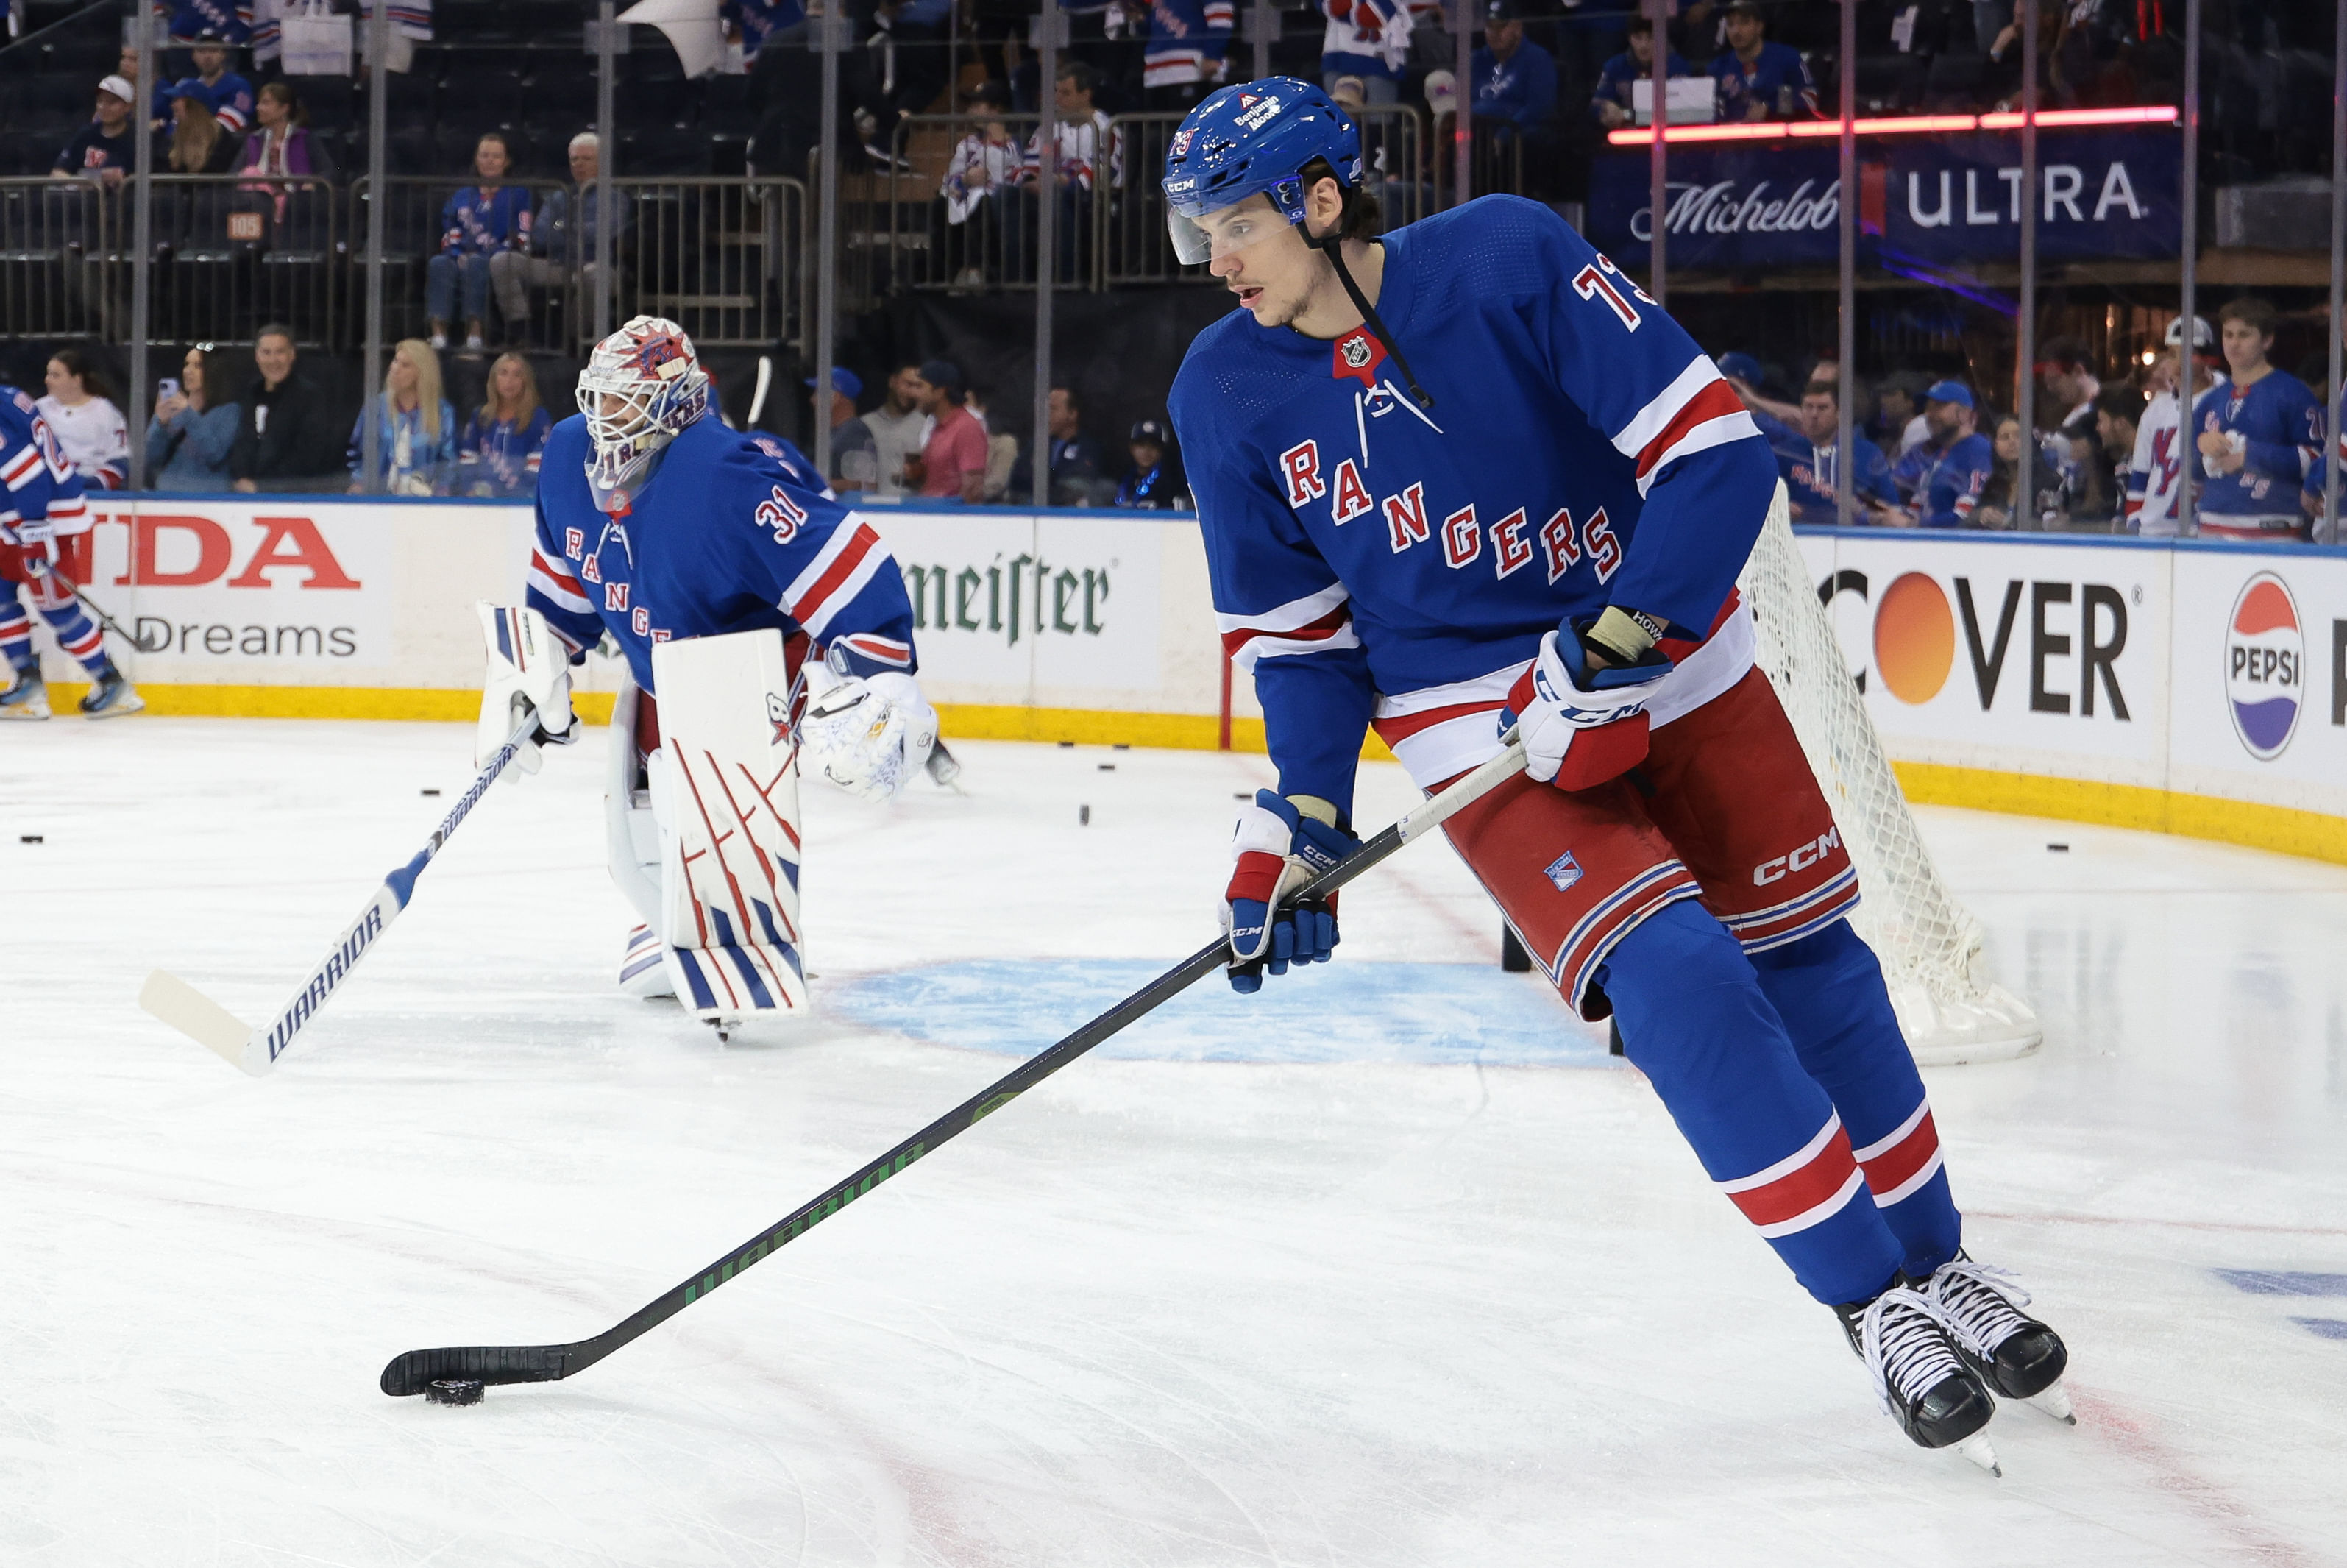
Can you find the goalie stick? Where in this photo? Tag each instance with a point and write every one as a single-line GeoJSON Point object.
{"type": "Point", "coordinates": [415, 1371]}
{"type": "Point", "coordinates": [256, 1050]}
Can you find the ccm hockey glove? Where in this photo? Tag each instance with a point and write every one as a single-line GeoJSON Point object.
{"type": "Point", "coordinates": [1582, 727]}
{"type": "Point", "coordinates": [1281, 843]}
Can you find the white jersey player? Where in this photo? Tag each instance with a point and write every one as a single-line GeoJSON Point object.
{"type": "Point", "coordinates": [2156, 471]}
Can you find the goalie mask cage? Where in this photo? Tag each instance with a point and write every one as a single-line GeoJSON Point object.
{"type": "Point", "coordinates": [1930, 946]}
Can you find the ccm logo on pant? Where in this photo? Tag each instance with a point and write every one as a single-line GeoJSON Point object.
{"type": "Point", "coordinates": [1801, 859]}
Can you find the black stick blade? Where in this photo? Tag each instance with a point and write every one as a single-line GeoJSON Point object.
{"type": "Point", "coordinates": [417, 1371]}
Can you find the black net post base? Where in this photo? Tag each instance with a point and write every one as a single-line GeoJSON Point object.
{"type": "Point", "coordinates": [1514, 960]}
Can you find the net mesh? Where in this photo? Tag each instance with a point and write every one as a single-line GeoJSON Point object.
{"type": "Point", "coordinates": [1930, 946]}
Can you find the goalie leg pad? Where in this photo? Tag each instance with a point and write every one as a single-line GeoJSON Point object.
{"type": "Point", "coordinates": [726, 792]}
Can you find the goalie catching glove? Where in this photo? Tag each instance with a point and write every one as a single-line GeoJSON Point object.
{"type": "Point", "coordinates": [1280, 844]}
{"type": "Point", "coordinates": [1582, 726]}
{"type": "Point", "coordinates": [529, 673]}
{"type": "Point", "coordinates": [869, 735]}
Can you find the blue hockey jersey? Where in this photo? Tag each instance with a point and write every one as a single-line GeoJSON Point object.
{"type": "Point", "coordinates": [1370, 556]}
{"type": "Point", "coordinates": [2275, 422]}
{"type": "Point", "coordinates": [732, 533]}
{"type": "Point", "coordinates": [1184, 38]}
{"type": "Point", "coordinates": [44, 496]}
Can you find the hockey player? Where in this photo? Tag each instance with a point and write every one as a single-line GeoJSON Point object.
{"type": "Point", "coordinates": [2157, 462]}
{"type": "Point", "coordinates": [2255, 437]}
{"type": "Point", "coordinates": [44, 502]}
{"type": "Point", "coordinates": [1469, 477]}
{"type": "Point", "coordinates": [657, 525]}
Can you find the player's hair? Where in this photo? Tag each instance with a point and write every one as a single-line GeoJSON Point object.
{"type": "Point", "coordinates": [82, 368]}
{"type": "Point", "coordinates": [2120, 403]}
{"type": "Point", "coordinates": [1362, 220]}
{"type": "Point", "coordinates": [525, 406]}
{"type": "Point", "coordinates": [1086, 78]}
{"type": "Point", "coordinates": [1823, 389]}
{"type": "Point", "coordinates": [2252, 312]}
{"type": "Point", "coordinates": [427, 381]}
{"type": "Point", "coordinates": [283, 93]}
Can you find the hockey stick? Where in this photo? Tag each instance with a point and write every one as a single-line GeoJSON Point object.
{"type": "Point", "coordinates": [256, 1050]}
{"type": "Point", "coordinates": [105, 619]}
{"type": "Point", "coordinates": [758, 397]}
{"type": "Point", "coordinates": [415, 1371]}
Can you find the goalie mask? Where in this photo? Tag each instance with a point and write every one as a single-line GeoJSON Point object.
{"type": "Point", "coordinates": [642, 388]}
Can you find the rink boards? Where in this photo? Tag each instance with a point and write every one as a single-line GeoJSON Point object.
{"type": "Point", "coordinates": [2193, 687]}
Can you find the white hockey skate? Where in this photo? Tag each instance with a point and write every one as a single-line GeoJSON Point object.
{"type": "Point", "coordinates": [2013, 1353]}
{"type": "Point", "coordinates": [1919, 1374]}
{"type": "Point", "coordinates": [26, 697]}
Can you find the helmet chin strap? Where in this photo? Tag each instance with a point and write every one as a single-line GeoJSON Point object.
{"type": "Point", "coordinates": [1332, 245]}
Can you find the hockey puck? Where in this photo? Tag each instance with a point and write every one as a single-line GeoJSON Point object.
{"type": "Point", "coordinates": [1106, 767]}
{"type": "Point", "coordinates": [1083, 816]}
{"type": "Point", "coordinates": [28, 838]}
{"type": "Point", "coordinates": [431, 792]}
{"type": "Point", "coordinates": [454, 1391]}
{"type": "Point", "coordinates": [2057, 849]}
{"type": "Point", "coordinates": [1067, 745]}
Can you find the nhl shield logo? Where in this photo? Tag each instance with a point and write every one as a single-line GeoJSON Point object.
{"type": "Point", "coordinates": [1357, 353]}
{"type": "Point", "coordinates": [1564, 871]}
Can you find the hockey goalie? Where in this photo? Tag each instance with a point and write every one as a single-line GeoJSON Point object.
{"type": "Point", "coordinates": [766, 630]}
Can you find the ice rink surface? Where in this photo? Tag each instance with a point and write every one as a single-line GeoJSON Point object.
{"type": "Point", "coordinates": [1396, 1269]}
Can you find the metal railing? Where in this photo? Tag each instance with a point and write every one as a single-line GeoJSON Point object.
{"type": "Point", "coordinates": [54, 237]}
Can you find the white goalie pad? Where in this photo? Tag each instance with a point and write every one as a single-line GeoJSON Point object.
{"type": "Point", "coordinates": [724, 795]}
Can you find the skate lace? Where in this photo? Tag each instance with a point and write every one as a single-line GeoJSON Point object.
{"type": "Point", "coordinates": [1977, 1302]}
{"type": "Point", "coordinates": [1900, 1337]}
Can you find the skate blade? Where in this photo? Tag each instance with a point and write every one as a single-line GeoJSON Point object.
{"type": "Point", "coordinates": [130, 702]}
{"type": "Point", "coordinates": [1977, 1449]}
{"type": "Point", "coordinates": [2055, 1403]}
{"type": "Point", "coordinates": [25, 711]}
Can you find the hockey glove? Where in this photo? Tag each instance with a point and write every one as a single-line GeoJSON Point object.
{"type": "Point", "coordinates": [869, 735]}
{"type": "Point", "coordinates": [529, 672]}
{"type": "Point", "coordinates": [1582, 727]}
{"type": "Point", "coordinates": [1280, 844]}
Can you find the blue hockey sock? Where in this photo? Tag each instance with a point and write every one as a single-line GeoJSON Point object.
{"type": "Point", "coordinates": [1695, 1021]}
{"type": "Point", "coordinates": [16, 631]}
{"type": "Point", "coordinates": [1827, 987]}
{"type": "Point", "coordinates": [79, 636]}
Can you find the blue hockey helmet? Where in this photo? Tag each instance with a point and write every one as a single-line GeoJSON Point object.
{"type": "Point", "coordinates": [1255, 137]}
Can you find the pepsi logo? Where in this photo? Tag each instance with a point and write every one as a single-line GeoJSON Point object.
{"type": "Point", "coordinates": [2265, 665]}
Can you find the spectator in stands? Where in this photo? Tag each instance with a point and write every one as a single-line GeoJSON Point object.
{"type": "Point", "coordinates": [786, 101]}
{"type": "Point", "coordinates": [1002, 447]}
{"type": "Point", "coordinates": [200, 143]}
{"type": "Point", "coordinates": [855, 456]}
{"type": "Point", "coordinates": [1994, 510]}
{"type": "Point", "coordinates": [1957, 459]}
{"type": "Point", "coordinates": [417, 428]}
{"type": "Point", "coordinates": [1368, 39]}
{"type": "Point", "coordinates": [898, 426]}
{"type": "Point", "coordinates": [1184, 59]}
{"type": "Point", "coordinates": [2071, 388]}
{"type": "Point", "coordinates": [226, 94]}
{"type": "Point", "coordinates": [1808, 460]}
{"type": "Point", "coordinates": [189, 438]}
{"type": "Point", "coordinates": [918, 28]}
{"type": "Point", "coordinates": [2118, 410]}
{"type": "Point", "coordinates": [2257, 436]}
{"type": "Point", "coordinates": [556, 247]}
{"type": "Point", "coordinates": [192, 20]}
{"type": "Point", "coordinates": [952, 460]}
{"type": "Point", "coordinates": [750, 23]}
{"type": "Point", "coordinates": [1756, 79]}
{"type": "Point", "coordinates": [1898, 428]}
{"type": "Point", "coordinates": [1153, 483]}
{"type": "Point", "coordinates": [985, 161]}
{"type": "Point", "coordinates": [1079, 466]}
{"type": "Point", "coordinates": [285, 437]}
{"type": "Point", "coordinates": [281, 145]}
{"type": "Point", "coordinates": [499, 452]}
{"type": "Point", "coordinates": [1087, 148]}
{"type": "Point", "coordinates": [103, 148]}
{"type": "Point", "coordinates": [81, 413]}
{"type": "Point", "coordinates": [1611, 102]}
{"type": "Point", "coordinates": [479, 223]}
{"type": "Point", "coordinates": [1514, 81]}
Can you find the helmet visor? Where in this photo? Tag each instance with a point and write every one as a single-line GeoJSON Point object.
{"type": "Point", "coordinates": [1226, 230]}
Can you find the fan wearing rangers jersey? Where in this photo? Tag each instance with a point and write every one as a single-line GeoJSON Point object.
{"type": "Point", "coordinates": [656, 522]}
{"type": "Point", "coordinates": [42, 504]}
{"type": "Point", "coordinates": [1184, 56]}
{"type": "Point", "coordinates": [1470, 476]}
{"type": "Point", "coordinates": [2254, 437]}
{"type": "Point", "coordinates": [2156, 466]}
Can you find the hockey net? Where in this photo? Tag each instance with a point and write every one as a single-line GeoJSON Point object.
{"type": "Point", "coordinates": [1930, 945]}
